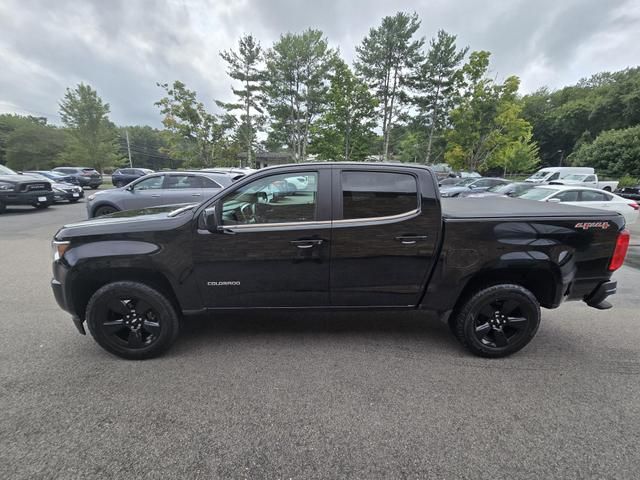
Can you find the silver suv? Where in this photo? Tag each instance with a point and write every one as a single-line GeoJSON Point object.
{"type": "Point", "coordinates": [163, 188]}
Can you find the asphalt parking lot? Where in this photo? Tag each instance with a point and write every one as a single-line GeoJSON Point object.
{"type": "Point", "coordinates": [309, 396]}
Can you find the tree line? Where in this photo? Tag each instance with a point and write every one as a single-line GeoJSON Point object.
{"type": "Point", "coordinates": [403, 99]}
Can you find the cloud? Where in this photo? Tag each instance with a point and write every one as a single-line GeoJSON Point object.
{"type": "Point", "coordinates": [123, 48]}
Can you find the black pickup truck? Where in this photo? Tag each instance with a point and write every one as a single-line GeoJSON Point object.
{"type": "Point", "coordinates": [336, 236]}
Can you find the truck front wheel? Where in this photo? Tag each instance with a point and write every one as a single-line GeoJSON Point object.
{"type": "Point", "coordinates": [132, 320]}
{"type": "Point", "coordinates": [497, 321]}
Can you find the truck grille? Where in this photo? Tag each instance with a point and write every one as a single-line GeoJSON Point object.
{"type": "Point", "coordinates": [32, 187]}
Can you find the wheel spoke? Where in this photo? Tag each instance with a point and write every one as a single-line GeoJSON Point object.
{"type": "Point", "coordinates": [135, 339]}
{"type": "Point", "coordinates": [509, 306]}
{"type": "Point", "coordinates": [487, 311]}
{"type": "Point", "coordinates": [500, 339]}
{"type": "Point", "coordinates": [142, 307]}
{"type": "Point", "coordinates": [517, 322]}
{"type": "Point", "coordinates": [118, 306]}
{"type": "Point", "coordinates": [151, 327]}
{"type": "Point", "coordinates": [113, 327]}
{"type": "Point", "coordinates": [482, 330]}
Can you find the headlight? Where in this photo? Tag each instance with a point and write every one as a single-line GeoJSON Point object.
{"type": "Point", "coordinates": [7, 187]}
{"type": "Point", "coordinates": [91, 197]}
{"type": "Point", "coordinates": [58, 249]}
{"type": "Point", "coordinates": [444, 194]}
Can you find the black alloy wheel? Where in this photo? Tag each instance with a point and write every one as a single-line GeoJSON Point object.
{"type": "Point", "coordinates": [501, 322]}
{"type": "Point", "coordinates": [132, 320]}
{"type": "Point", "coordinates": [497, 321]}
{"type": "Point", "coordinates": [120, 184]}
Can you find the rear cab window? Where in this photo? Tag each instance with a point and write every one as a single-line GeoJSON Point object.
{"type": "Point", "coordinates": [367, 194]}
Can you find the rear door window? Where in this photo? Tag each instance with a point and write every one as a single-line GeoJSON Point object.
{"type": "Point", "coordinates": [377, 194]}
{"type": "Point", "coordinates": [591, 196]}
{"type": "Point", "coordinates": [182, 181]}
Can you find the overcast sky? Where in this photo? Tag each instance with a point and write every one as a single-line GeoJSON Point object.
{"type": "Point", "coordinates": [123, 47]}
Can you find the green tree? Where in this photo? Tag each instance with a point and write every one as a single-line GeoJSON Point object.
{"type": "Point", "coordinates": [197, 136]}
{"type": "Point", "coordinates": [245, 66]}
{"type": "Point", "coordinates": [10, 122]}
{"type": "Point", "coordinates": [345, 130]}
{"type": "Point", "coordinates": [488, 129]}
{"type": "Point", "coordinates": [34, 146]}
{"type": "Point", "coordinates": [616, 152]}
{"type": "Point", "coordinates": [436, 84]}
{"type": "Point", "coordinates": [296, 86]}
{"type": "Point", "coordinates": [92, 137]}
{"type": "Point", "coordinates": [564, 119]}
{"type": "Point", "coordinates": [386, 57]}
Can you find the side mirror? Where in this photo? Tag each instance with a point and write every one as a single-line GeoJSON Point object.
{"type": "Point", "coordinates": [554, 200]}
{"type": "Point", "coordinates": [210, 219]}
{"type": "Point", "coordinates": [472, 186]}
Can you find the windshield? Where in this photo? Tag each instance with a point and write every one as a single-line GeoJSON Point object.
{"type": "Point", "coordinates": [501, 188]}
{"type": "Point", "coordinates": [537, 193]}
{"type": "Point", "coordinates": [465, 182]}
{"type": "Point", "coordinates": [6, 171]}
{"type": "Point", "coordinates": [540, 174]}
{"type": "Point", "coordinates": [575, 177]}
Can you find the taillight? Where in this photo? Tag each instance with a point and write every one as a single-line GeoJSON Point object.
{"type": "Point", "coordinates": [634, 205]}
{"type": "Point", "coordinates": [622, 244]}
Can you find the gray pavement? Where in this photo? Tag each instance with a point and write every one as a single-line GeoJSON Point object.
{"type": "Point", "coordinates": [367, 395]}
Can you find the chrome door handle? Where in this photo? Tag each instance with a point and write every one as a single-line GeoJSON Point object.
{"type": "Point", "coordinates": [195, 194]}
{"type": "Point", "coordinates": [306, 243]}
{"type": "Point", "coordinates": [155, 195]}
{"type": "Point", "coordinates": [411, 239]}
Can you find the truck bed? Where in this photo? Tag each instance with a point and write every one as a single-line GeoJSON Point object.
{"type": "Point", "coordinates": [504, 207]}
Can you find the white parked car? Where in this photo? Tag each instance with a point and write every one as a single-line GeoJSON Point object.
{"type": "Point", "coordinates": [550, 174]}
{"type": "Point", "coordinates": [586, 180]}
{"type": "Point", "coordinates": [585, 197]}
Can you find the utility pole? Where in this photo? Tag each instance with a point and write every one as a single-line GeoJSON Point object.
{"type": "Point", "coordinates": [128, 148]}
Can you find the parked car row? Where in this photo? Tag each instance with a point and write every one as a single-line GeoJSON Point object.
{"type": "Point", "coordinates": [83, 176]}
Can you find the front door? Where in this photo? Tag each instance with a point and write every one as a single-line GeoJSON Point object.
{"type": "Point", "coordinates": [145, 193]}
{"type": "Point", "coordinates": [273, 247]}
{"type": "Point", "coordinates": [384, 238]}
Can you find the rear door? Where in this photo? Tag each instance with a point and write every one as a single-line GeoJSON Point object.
{"type": "Point", "coordinates": [384, 235]}
{"type": "Point", "coordinates": [182, 188]}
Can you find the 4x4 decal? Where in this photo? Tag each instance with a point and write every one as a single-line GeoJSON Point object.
{"type": "Point", "coordinates": [588, 225]}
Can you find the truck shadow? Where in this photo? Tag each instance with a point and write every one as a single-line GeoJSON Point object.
{"type": "Point", "coordinates": [231, 327]}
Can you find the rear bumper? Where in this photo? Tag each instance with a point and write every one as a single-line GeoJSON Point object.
{"type": "Point", "coordinates": [597, 298]}
{"type": "Point", "coordinates": [26, 198]}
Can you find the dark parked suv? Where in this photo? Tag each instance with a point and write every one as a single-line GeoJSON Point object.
{"type": "Point", "coordinates": [124, 176]}
{"type": "Point", "coordinates": [85, 176]}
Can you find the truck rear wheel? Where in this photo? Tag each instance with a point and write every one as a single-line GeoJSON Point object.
{"type": "Point", "coordinates": [497, 321]}
{"type": "Point", "coordinates": [132, 320]}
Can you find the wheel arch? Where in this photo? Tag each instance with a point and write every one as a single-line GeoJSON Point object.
{"type": "Point", "coordinates": [85, 284]}
{"type": "Point", "coordinates": [103, 203]}
{"type": "Point", "coordinates": [544, 282]}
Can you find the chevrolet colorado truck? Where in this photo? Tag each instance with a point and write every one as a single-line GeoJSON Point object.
{"type": "Point", "coordinates": [345, 236]}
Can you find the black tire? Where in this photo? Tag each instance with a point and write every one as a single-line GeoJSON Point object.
{"type": "Point", "coordinates": [497, 321]}
{"type": "Point", "coordinates": [73, 200]}
{"type": "Point", "coordinates": [119, 184]}
{"type": "Point", "coordinates": [132, 320]}
{"type": "Point", "coordinates": [104, 210]}
{"type": "Point", "coordinates": [3, 207]}
{"type": "Point", "coordinates": [607, 189]}
{"type": "Point", "coordinates": [42, 206]}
